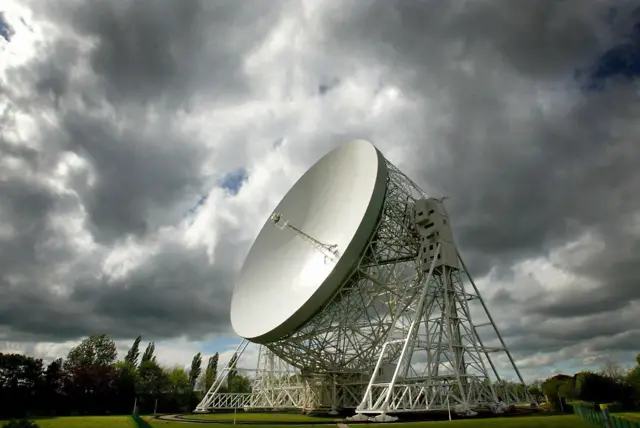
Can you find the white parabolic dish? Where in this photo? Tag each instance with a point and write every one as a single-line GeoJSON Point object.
{"type": "Point", "coordinates": [285, 280]}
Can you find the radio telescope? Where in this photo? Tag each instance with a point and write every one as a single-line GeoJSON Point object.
{"type": "Point", "coordinates": [358, 297]}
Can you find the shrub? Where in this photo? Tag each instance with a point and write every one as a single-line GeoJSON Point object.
{"type": "Point", "coordinates": [20, 423]}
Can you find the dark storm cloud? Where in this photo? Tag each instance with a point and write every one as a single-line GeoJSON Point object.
{"type": "Point", "coordinates": [28, 205]}
{"type": "Point", "coordinates": [141, 165]}
{"type": "Point", "coordinates": [172, 294]}
{"type": "Point", "coordinates": [144, 55]}
{"type": "Point", "coordinates": [139, 169]}
{"type": "Point", "coordinates": [32, 312]}
{"type": "Point", "coordinates": [327, 85]}
{"type": "Point", "coordinates": [6, 32]}
{"type": "Point", "coordinates": [519, 184]}
{"type": "Point", "coordinates": [623, 59]}
{"type": "Point", "coordinates": [503, 297]}
{"type": "Point", "coordinates": [537, 182]}
{"type": "Point", "coordinates": [45, 78]}
{"type": "Point", "coordinates": [424, 38]}
{"type": "Point", "coordinates": [515, 182]}
{"type": "Point", "coordinates": [615, 271]}
{"type": "Point", "coordinates": [32, 252]}
{"type": "Point", "coordinates": [166, 51]}
{"type": "Point", "coordinates": [148, 60]}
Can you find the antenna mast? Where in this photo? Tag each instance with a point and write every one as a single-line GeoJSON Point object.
{"type": "Point", "coordinates": [330, 252]}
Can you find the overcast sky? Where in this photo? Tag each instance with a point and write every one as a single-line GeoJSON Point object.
{"type": "Point", "coordinates": [144, 143]}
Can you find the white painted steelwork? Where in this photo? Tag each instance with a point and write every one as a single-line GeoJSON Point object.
{"type": "Point", "coordinates": [386, 326]}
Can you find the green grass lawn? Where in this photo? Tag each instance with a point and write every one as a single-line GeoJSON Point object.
{"type": "Point", "coordinates": [84, 422]}
{"type": "Point", "coordinates": [570, 421]}
{"type": "Point", "coordinates": [635, 416]}
{"type": "Point", "coordinates": [279, 417]}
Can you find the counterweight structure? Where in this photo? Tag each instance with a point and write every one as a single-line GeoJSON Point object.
{"type": "Point", "coordinates": [397, 335]}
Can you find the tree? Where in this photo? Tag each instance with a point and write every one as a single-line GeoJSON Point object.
{"type": "Point", "coordinates": [53, 387]}
{"type": "Point", "coordinates": [567, 389]}
{"type": "Point", "coordinates": [233, 364]}
{"type": "Point", "coordinates": [613, 371]}
{"type": "Point", "coordinates": [54, 376]}
{"type": "Point", "coordinates": [134, 352]}
{"type": "Point", "coordinates": [20, 379]}
{"type": "Point", "coordinates": [633, 379]}
{"type": "Point", "coordinates": [196, 368]}
{"type": "Point", "coordinates": [536, 392]}
{"type": "Point", "coordinates": [153, 385]}
{"type": "Point", "coordinates": [91, 377]}
{"type": "Point", "coordinates": [153, 379]}
{"type": "Point", "coordinates": [555, 389]}
{"type": "Point", "coordinates": [179, 381]}
{"type": "Point", "coordinates": [20, 423]}
{"type": "Point", "coordinates": [128, 384]}
{"type": "Point", "coordinates": [239, 384]}
{"type": "Point", "coordinates": [91, 382]}
{"type": "Point", "coordinates": [148, 353]}
{"type": "Point", "coordinates": [19, 371]}
{"type": "Point", "coordinates": [95, 350]}
{"type": "Point", "coordinates": [180, 388]}
{"type": "Point", "coordinates": [212, 371]}
{"type": "Point", "coordinates": [597, 388]}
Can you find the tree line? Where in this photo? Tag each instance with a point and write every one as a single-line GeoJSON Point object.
{"type": "Point", "coordinates": [91, 381]}
{"type": "Point", "coordinates": [611, 385]}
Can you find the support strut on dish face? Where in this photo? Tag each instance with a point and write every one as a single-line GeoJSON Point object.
{"type": "Point", "coordinates": [329, 251]}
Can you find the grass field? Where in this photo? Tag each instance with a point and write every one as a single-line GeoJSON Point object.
{"type": "Point", "coordinates": [635, 416]}
{"type": "Point", "coordinates": [281, 417]}
{"type": "Point", "coordinates": [570, 421]}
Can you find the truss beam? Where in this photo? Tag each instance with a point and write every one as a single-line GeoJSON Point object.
{"type": "Point", "coordinates": [398, 335]}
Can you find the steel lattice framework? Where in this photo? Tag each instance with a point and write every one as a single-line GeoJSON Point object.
{"type": "Point", "coordinates": [345, 337]}
{"type": "Point", "coordinates": [443, 364]}
{"type": "Point", "coordinates": [396, 337]}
